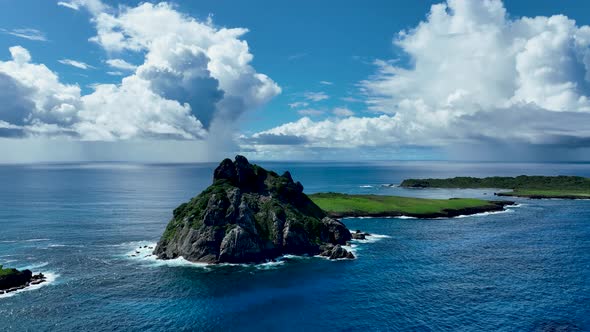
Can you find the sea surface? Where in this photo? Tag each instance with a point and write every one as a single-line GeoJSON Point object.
{"type": "Point", "coordinates": [527, 269]}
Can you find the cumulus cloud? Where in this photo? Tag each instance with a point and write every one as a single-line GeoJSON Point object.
{"type": "Point", "coordinates": [475, 74]}
{"type": "Point", "coordinates": [194, 83]}
{"type": "Point", "coordinates": [28, 33]}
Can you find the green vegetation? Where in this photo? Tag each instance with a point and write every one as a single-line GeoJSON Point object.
{"type": "Point", "coordinates": [6, 272]}
{"type": "Point", "coordinates": [377, 205]}
{"type": "Point", "coordinates": [537, 193]}
{"type": "Point", "coordinates": [522, 186]}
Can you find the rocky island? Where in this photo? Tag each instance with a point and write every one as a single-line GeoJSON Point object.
{"type": "Point", "coordinates": [251, 215]}
{"type": "Point", "coordinates": [564, 187]}
{"type": "Point", "coordinates": [12, 280]}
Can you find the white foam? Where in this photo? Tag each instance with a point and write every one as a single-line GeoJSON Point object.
{"type": "Point", "coordinates": [366, 186]}
{"type": "Point", "coordinates": [66, 245]}
{"type": "Point", "coordinates": [34, 266]}
{"type": "Point", "coordinates": [36, 240]}
{"type": "Point", "coordinates": [49, 279]}
{"type": "Point", "coordinates": [373, 238]}
{"type": "Point", "coordinates": [146, 256]}
{"type": "Point", "coordinates": [481, 214]}
{"type": "Point", "coordinates": [406, 217]}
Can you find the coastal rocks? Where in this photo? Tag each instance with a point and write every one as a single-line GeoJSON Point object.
{"type": "Point", "coordinates": [358, 235]}
{"type": "Point", "coordinates": [250, 215]}
{"type": "Point", "coordinates": [335, 252]}
{"type": "Point", "coordinates": [12, 280]}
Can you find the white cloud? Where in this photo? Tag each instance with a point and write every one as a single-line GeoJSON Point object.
{"type": "Point", "coordinates": [49, 100]}
{"type": "Point", "coordinates": [298, 104]}
{"type": "Point", "coordinates": [476, 75]}
{"type": "Point", "coordinates": [94, 6]}
{"type": "Point", "coordinates": [326, 83]}
{"type": "Point", "coordinates": [342, 111]}
{"type": "Point", "coordinates": [195, 81]}
{"type": "Point", "coordinates": [74, 63]}
{"type": "Point", "coordinates": [310, 112]}
{"type": "Point", "coordinates": [30, 34]}
{"type": "Point", "coordinates": [316, 96]}
{"type": "Point", "coordinates": [115, 73]}
{"type": "Point", "coordinates": [70, 5]}
{"type": "Point", "coordinates": [121, 64]}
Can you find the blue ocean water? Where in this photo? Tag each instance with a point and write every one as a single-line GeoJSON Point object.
{"type": "Point", "coordinates": [527, 269]}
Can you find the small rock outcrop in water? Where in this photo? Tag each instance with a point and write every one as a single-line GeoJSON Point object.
{"type": "Point", "coordinates": [12, 279]}
{"type": "Point", "coordinates": [251, 215]}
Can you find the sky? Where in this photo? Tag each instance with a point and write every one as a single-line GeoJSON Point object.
{"type": "Point", "coordinates": [184, 81]}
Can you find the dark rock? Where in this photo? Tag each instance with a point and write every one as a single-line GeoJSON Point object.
{"type": "Point", "coordinates": [335, 252]}
{"type": "Point", "coordinates": [15, 278]}
{"type": "Point", "coordinates": [248, 215]}
{"type": "Point", "coordinates": [358, 236]}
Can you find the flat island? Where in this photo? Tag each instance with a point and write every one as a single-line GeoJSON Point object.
{"type": "Point", "coordinates": [343, 205]}
{"type": "Point", "coordinates": [565, 187]}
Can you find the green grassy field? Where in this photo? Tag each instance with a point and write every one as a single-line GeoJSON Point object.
{"type": "Point", "coordinates": [539, 193]}
{"type": "Point", "coordinates": [5, 272]}
{"type": "Point", "coordinates": [342, 205]}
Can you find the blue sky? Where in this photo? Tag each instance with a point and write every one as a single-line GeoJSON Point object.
{"type": "Point", "coordinates": [322, 56]}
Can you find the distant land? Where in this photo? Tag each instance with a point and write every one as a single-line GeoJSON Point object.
{"type": "Point", "coordinates": [565, 187]}
{"type": "Point", "coordinates": [339, 205]}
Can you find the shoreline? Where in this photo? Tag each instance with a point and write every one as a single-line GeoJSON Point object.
{"type": "Point", "coordinates": [539, 196]}
{"type": "Point", "coordinates": [495, 206]}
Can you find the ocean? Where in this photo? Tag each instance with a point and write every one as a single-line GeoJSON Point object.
{"type": "Point", "coordinates": [526, 269]}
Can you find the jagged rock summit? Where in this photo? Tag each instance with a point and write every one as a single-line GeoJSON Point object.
{"type": "Point", "coordinates": [251, 215]}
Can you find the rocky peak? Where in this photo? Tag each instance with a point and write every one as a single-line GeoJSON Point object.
{"type": "Point", "coordinates": [250, 214]}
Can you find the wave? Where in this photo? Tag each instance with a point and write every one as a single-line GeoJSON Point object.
{"type": "Point", "coordinates": [28, 240]}
{"type": "Point", "coordinates": [482, 214]}
{"type": "Point", "coordinates": [34, 266]}
{"type": "Point", "coordinates": [366, 186]}
{"type": "Point", "coordinates": [50, 279]}
{"type": "Point", "coordinates": [372, 238]}
{"type": "Point", "coordinates": [66, 245]}
{"type": "Point", "coordinates": [389, 185]}
{"type": "Point", "coordinates": [144, 255]}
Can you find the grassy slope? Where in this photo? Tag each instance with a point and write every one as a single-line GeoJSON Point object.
{"type": "Point", "coordinates": [375, 204]}
{"type": "Point", "coordinates": [6, 272]}
{"type": "Point", "coordinates": [523, 186]}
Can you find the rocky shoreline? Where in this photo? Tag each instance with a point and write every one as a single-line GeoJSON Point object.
{"type": "Point", "coordinates": [494, 206]}
{"type": "Point", "coordinates": [18, 280]}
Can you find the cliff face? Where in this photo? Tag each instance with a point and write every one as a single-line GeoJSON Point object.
{"type": "Point", "coordinates": [248, 215]}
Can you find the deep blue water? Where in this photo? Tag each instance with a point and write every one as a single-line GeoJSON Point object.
{"type": "Point", "coordinates": [524, 270]}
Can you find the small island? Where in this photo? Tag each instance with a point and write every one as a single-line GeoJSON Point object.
{"type": "Point", "coordinates": [12, 280]}
{"type": "Point", "coordinates": [343, 205]}
{"type": "Point", "coordinates": [536, 187]}
{"type": "Point", "coordinates": [251, 215]}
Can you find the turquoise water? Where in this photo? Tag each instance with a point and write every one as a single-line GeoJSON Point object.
{"type": "Point", "coordinates": [527, 269]}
